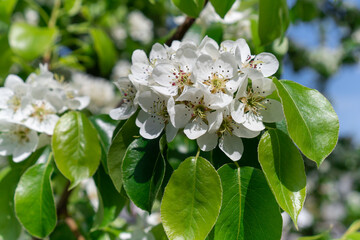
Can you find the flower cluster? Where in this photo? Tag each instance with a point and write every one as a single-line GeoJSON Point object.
{"type": "Point", "coordinates": [216, 94]}
{"type": "Point", "coordinates": [29, 111]}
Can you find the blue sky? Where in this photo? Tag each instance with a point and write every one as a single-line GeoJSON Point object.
{"type": "Point", "coordinates": [343, 88]}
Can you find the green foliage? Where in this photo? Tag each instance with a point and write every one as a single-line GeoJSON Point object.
{"type": "Point", "coordinates": [143, 170]}
{"type": "Point", "coordinates": [34, 201]}
{"type": "Point", "coordinates": [190, 7]}
{"type": "Point", "coordinates": [273, 20]}
{"type": "Point", "coordinates": [30, 42]}
{"type": "Point", "coordinates": [311, 121]}
{"type": "Point", "coordinates": [284, 170]}
{"type": "Point", "coordinates": [249, 210]}
{"type": "Point", "coordinates": [76, 147]}
{"type": "Point", "coordinates": [122, 137]}
{"type": "Point", "coordinates": [192, 200]}
{"type": "Point", "coordinates": [105, 50]}
{"type": "Point", "coordinates": [222, 6]}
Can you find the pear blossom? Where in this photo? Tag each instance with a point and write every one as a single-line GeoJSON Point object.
{"type": "Point", "coordinates": [218, 78]}
{"type": "Point", "coordinates": [140, 27]}
{"type": "Point", "coordinates": [17, 140]}
{"type": "Point", "coordinates": [228, 134]}
{"type": "Point", "coordinates": [251, 107]}
{"type": "Point", "coordinates": [127, 105]}
{"type": "Point", "coordinates": [156, 118]}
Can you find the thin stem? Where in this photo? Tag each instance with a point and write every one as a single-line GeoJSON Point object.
{"type": "Point", "coordinates": [236, 164]}
{"type": "Point", "coordinates": [52, 24]}
{"type": "Point", "coordinates": [198, 153]}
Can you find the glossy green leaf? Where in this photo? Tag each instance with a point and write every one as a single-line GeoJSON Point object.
{"type": "Point", "coordinates": [352, 232]}
{"type": "Point", "coordinates": [273, 20]}
{"type": "Point", "coordinates": [76, 147]}
{"type": "Point", "coordinates": [143, 171]}
{"type": "Point", "coordinates": [110, 200]}
{"type": "Point", "coordinates": [6, 9]}
{"type": "Point", "coordinates": [222, 6]}
{"type": "Point", "coordinates": [30, 42]}
{"type": "Point", "coordinates": [158, 232]}
{"type": "Point", "coordinates": [311, 120]}
{"type": "Point", "coordinates": [284, 170]}
{"type": "Point", "coordinates": [249, 210]}
{"type": "Point", "coordinates": [124, 134]}
{"type": "Point", "coordinates": [191, 8]}
{"type": "Point", "coordinates": [105, 127]}
{"type": "Point", "coordinates": [34, 201]}
{"type": "Point", "coordinates": [105, 50]}
{"type": "Point", "coordinates": [10, 228]}
{"type": "Point", "coordinates": [192, 200]}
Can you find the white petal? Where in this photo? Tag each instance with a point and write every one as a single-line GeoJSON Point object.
{"type": "Point", "coordinates": [171, 132]}
{"type": "Point", "coordinates": [186, 57]}
{"type": "Point", "coordinates": [219, 100]}
{"type": "Point", "coordinates": [84, 102]}
{"type": "Point", "coordinates": [242, 51]}
{"type": "Point", "coordinates": [215, 119]}
{"type": "Point", "coordinates": [232, 146]}
{"type": "Point", "coordinates": [240, 131]}
{"type": "Point", "coordinates": [207, 142]}
{"type": "Point", "coordinates": [147, 101]}
{"type": "Point", "coordinates": [210, 47]}
{"type": "Point", "coordinates": [191, 94]}
{"type": "Point", "coordinates": [181, 116]}
{"type": "Point", "coordinates": [141, 118]}
{"type": "Point", "coordinates": [266, 63]}
{"type": "Point", "coordinates": [25, 149]}
{"type": "Point", "coordinates": [5, 95]}
{"type": "Point", "coordinates": [195, 129]}
{"type": "Point", "coordinates": [203, 68]}
{"type": "Point", "coordinates": [263, 86]}
{"type": "Point", "coordinates": [125, 111]}
{"type": "Point", "coordinates": [139, 56]}
{"type": "Point", "coordinates": [163, 74]}
{"type": "Point", "coordinates": [226, 65]}
{"type": "Point", "coordinates": [167, 91]}
{"type": "Point", "coordinates": [273, 111]}
{"type": "Point", "coordinates": [253, 122]}
{"type": "Point", "coordinates": [152, 127]}
{"type": "Point", "coordinates": [158, 52]}
{"type": "Point", "coordinates": [12, 81]}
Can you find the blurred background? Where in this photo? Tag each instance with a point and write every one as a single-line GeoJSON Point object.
{"type": "Point", "coordinates": [89, 43]}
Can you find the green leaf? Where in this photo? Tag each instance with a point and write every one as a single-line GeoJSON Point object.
{"type": "Point", "coordinates": [76, 147]}
{"type": "Point", "coordinates": [6, 57]}
{"type": "Point", "coordinates": [110, 201]}
{"type": "Point", "coordinates": [34, 201]}
{"type": "Point", "coordinates": [352, 233]}
{"type": "Point", "coordinates": [10, 228]}
{"type": "Point", "coordinates": [284, 170]}
{"type": "Point", "coordinates": [105, 127]}
{"type": "Point", "coordinates": [321, 236]}
{"type": "Point", "coordinates": [273, 20]}
{"type": "Point", "coordinates": [124, 134]}
{"type": "Point", "coordinates": [6, 9]}
{"type": "Point", "coordinates": [249, 210]}
{"type": "Point", "coordinates": [143, 171]}
{"type": "Point", "coordinates": [158, 232]}
{"type": "Point", "coordinates": [311, 121]}
{"type": "Point", "coordinates": [222, 6]}
{"type": "Point", "coordinates": [191, 8]}
{"type": "Point", "coordinates": [30, 42]}
{"type": "Point", "coordinates": [105, 50]}
{"type": "Point", "coordinates": [192, 200]}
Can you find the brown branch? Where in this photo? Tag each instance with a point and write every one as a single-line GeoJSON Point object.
{"type": "Point", "coordinates": [62, 212]}
{"type": "Point", "coordinates": [182, 29]}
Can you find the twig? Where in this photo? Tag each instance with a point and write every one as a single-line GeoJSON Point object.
{"type": "Point", "coordinates": [182, 29]}
{"type": "Point", "coordinates": [62, 212]}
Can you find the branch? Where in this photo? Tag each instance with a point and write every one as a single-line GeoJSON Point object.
{"type": "Point", "coordinates": [182, 29]}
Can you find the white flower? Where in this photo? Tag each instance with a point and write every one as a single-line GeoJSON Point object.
{"type": "Point", "coordinates": [265, 63]}
{"type": "Point", "coordinates": [39, 115]}
{"type": "Point", "coordinates": [121, 69]}
{"type": "Point", "coordinates": [127, 105]}
{"type": "Point", "coordinates": [176, 76]}
{"type": "Point", "coordinates": [17, 140]}
{"type": "Point", "coordinates": [140, 27]}
{"type": "Point", "coordinates": [251, 107]}
{"type": "Point", "coordinates": [11, 97]}
{"type": "Point", "coordinates": [218, 78]}
{"type": "Point", "coordinates": [229, 134]}
{"type": "Point", "coordinates": [156, 118]}
{"type": "Point", "coordinates": [100, 91]}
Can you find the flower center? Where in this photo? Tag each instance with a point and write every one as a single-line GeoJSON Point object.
{"type": "Point", "coordinates": [216, 83]}
{"type": "Point", "coordinates": [252, 102]}
{"type": "Point", "coordinates": [14, 103]}
{"type": "Point", "coordinates": [40, 112]}
{"type": "Point", "coordinates": [226, 126]}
